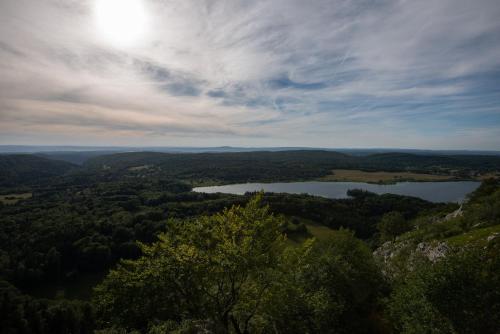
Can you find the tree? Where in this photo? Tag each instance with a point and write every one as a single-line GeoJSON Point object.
{"type": "Point", "coordinates": [53, 264]}
{"type": "Point", "coordinates": [23, 314]}
{"type": "Point", "coordinates": [217, 268]}
{"type": "Point", "coordinates": [234, 273]}
{"type": "Point", "coordinates": [325, 287]}
{"type": "Point", "coordinates": [459, 294]}
{"type": "Point", "coordinates": [391, 225]}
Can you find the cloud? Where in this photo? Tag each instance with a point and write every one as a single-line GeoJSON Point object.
{"type": "Point", "coordinates": [280, 72]}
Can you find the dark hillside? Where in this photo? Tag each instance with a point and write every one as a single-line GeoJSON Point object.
{"type": "Point", "coordinates": [226, 167]}
{"type": "Point", "coordinates": [283, 166]}
{"type": "Point", "coordinates": [19, 169]}
{"type": "Point", "coordinates": [406, 161]}
{"type": "Point", "coordinates": [74, 157]}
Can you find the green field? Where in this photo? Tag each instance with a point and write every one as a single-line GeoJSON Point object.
{"type": "Point", "coordinates": [354, 175]}
{"type": "Point", "coordinates": [14, 198]}
{"type": "Point", "coordinates": [479, 236]}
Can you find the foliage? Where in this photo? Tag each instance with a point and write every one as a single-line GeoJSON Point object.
{"type": "Point", "coordinates": [21, 169]}
{"type": "Point", "coordinates": [392, 224]}
{"type": "Point", "coordinates": [360, 214]}
{"type": "Point", "coordinates": [459, 294]}
{"type": "Point", "coordinates": [23, 314]}
{"type": "Point", "coordinates": [285, 165]}
{"type": "Point", "coordinates": [216, 267]}
{"type": "Point", "coordinates": [325, 287]}
{"type": "Point", "coordinates": [233, 270]}
{"type": "Point", "coordinates": [81, 221]}
{"type": "Point", "coordinates": [481, 211]}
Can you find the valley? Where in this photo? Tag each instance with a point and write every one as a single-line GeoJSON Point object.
{"type": "Point", "coordinates": [71, 236]}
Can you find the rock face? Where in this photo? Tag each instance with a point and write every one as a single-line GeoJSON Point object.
{"type": "Point", "coordinates": [457, 213]}
{"type": "Point", "coordinates": [492, 236]}
{"type": "Point", "coordinates": [388, 250]}
{"type": "Point", "coordinates": [433, 251]}
{"type": "Point", "coordinates": [396, 257]}
{"type": "Point", "coordinates": [388, 253]}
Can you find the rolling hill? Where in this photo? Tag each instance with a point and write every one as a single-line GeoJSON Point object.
{"type": "Point", "coordinates": [284, 165]}
{"type": "Point", "coordinates": [19, 169]}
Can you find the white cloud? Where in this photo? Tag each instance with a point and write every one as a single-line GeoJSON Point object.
{"type": "Point", "coordinates": [250, 71]}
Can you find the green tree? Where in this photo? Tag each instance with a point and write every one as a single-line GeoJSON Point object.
{"type": "Point", "coordinates": [218, 268]}
{"type": "Point", "coordinates": [53, 264]}
{"type": "Point", "coordinates": [325, 287]}
{"type": "Point", "coordinates": [459, 294]}
{"type": "Point", "coordinates": [391, 225]}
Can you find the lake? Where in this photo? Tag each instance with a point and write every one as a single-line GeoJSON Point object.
{"type": "Point", "coordinates": [454, 191]}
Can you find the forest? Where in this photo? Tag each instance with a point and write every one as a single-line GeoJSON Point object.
{"type": "Point", "coordinates": [236, 167]}
{"type": "Point", "coordinates": [120, 244]}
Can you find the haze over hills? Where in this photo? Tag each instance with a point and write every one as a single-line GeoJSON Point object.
{"type": "Point", "coordinates": [76, 148]}
{"type": "Point", "coordinates": [98, 150]}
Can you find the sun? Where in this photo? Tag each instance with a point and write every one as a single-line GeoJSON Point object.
{"type": "Point", "coordinates": [121, 22]}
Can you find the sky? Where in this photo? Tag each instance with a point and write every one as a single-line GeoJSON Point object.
{"type": "Point", "coordinates": [338, 73]}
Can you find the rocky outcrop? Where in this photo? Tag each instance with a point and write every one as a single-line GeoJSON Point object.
{"type": "Point", "coordinates": [395, 257]}
{"type": "Point", "coordinates": [433, 250]}
{"type": "Point", "coordinates": [457, 213]}
{"type": "Point", "coordinates": [492, 236]}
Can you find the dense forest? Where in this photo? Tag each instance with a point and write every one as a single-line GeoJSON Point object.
{"type": "Point", "coordinates": [218, 168]}
{"type": "Point", "coordinates": [121, 244]}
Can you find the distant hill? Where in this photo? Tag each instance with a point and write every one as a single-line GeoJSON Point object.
{"type": "Point", "coordinates": [234, 167]}
{"type": "Point", "coordinates": [74, 157]}
{"type": "Point", "coordinates": [283, 165]}
{"type": "Point", "coordinates": [418, 161]}
{"type": "Point", "coordinates": [19, 169]}
{"type": "Point", "coordinates": [9, 149]}
{"type": "Point", "coordinates": [226, 167]}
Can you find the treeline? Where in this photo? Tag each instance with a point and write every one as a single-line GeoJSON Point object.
{"type": "Point", "coordinates": [236, 272]}
{"type": "Point", "coordinates": [284, 166]}
{"type": "Point", "coordinates": [180, 263]}
{"type": "Point", "coordinates": [202, 168]}
{"type": "Point", "coordinates": [85, 225]}
{"type": "Point", "coordinates": [361, 213]}
{"type": "Point", "coordinates": [23, 169]}
{"type": "Point", "coordinates": [22, 314]}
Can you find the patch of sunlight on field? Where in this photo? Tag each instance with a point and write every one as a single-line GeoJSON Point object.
{"type": "Point", "coordinates": [491, 175]}
{"type": "Point", "coordinates": [319, 232]}
{"type": "Point", "coordinates": [139, 168]}
{"type": "Point", "coordinates": [14, 198]}
{"type": "Point", "coordinates": [352, 175]}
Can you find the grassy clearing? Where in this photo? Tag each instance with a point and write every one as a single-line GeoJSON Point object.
{"type": "Point", "coordinates": [353, 175]}
{"type": "Point", "coordinates": [139, 168]}
{"type": "Point", "coordinates": [319, 232]}
{"type": "Point", "coordinates": [14, 198]}
{"type": "Point", "coordinates": [491, 175]}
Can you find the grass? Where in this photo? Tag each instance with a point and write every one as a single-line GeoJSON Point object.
{"type": "Point", "coordinates": [14, 198]}
{"type": "Point", "coordinates": [491, 175]}
{"type": "Point", "coordinates": [139, 168]}
{"type": "Point", "coordinates": [478, 236]}
{"type": "Point", "coordinates": [320, 232]}
{"type": "Point", "coordinates": [317, 231]}
{"type": "Point", "coordinates": [381, 177]}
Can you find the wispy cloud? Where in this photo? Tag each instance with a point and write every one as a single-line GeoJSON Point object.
{"type": "Point", "coordinates": [280, 72]}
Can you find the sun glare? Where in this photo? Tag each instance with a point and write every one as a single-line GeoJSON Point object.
{"type": "Point", "coordinates": [121, 22]}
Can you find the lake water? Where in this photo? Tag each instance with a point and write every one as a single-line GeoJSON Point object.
{"type": "Point", "coordinates": [431, 191]}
